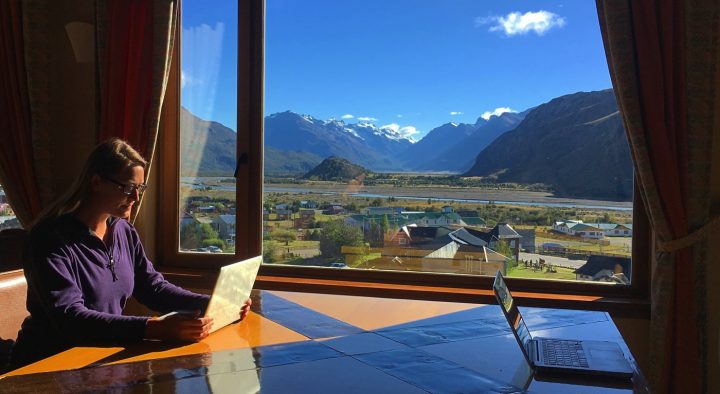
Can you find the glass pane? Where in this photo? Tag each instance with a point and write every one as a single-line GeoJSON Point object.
{"type": "Point", "coordinates": [457, 137]}
{"type": "Point", "coordinates": [7, 216]}
{"type": "Point", "coordinates": [208, 120]}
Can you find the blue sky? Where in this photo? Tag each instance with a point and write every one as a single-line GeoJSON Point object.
{"type": "Point", "coordinates": [413, 64]}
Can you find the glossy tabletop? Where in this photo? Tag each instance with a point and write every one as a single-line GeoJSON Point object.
{"type": "Point", "coordinates": [319, 343]}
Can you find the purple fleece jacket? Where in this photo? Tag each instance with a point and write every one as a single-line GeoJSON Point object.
{"type": "Point", "coordinates": [78, 287]}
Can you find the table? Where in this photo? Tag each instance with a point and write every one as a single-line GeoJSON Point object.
{"type": "Point", "coordinates": [320, 343]}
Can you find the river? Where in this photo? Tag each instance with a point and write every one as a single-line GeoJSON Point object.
{"type": "Point", "coordinates": [509, 197]}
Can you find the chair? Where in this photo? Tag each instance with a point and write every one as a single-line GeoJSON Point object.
{"type": "Point", "coordinates": [13, 290]}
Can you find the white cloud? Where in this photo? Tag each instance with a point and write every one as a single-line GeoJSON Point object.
{"type": "Point", "coordinates": [456, 113]}
{"type": "Point", "coordinates": [408, 131]}
{"type": "Point", "coordinates": [399, 115]}
{"type": "Point", "coordinates": [516, 23]}
{"type": "Point", "coordinates": [497, 112]}
{"type": "Point", "coordinates": [347, 116]}
{"type": "Point", "coordinates": [366, 119]}
{"type": "Point", "coordinates": [402, 131]}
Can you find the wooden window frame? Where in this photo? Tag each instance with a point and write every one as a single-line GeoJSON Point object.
{"type": "Point", "coordinates": [197, 270]}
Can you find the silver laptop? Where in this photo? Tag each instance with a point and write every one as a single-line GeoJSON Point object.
{"type": "Point", "coordinates": [552, 355]}
{"type": "Point", "coordinates": [232, 288]}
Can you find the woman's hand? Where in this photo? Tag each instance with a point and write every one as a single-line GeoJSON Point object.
{"type": "Point", "coordinates": [179, 327]}
{"type": "Point", "coordinates": [245, 309]}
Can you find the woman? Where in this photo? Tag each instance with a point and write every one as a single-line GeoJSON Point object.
{"type": "Point", "coordinates": [85, 261]}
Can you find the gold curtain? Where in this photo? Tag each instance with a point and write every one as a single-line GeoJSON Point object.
{"type": "Point", "coordinates": [663, 59]}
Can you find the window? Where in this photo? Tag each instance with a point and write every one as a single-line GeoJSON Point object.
{"type": "Point", "coordinates": [208, 127]}
{"type": "Point", "coordinates": [7, 216]}
{"type": "Point", "coordinates": [368, 156]}
{"type": "Point", "coordinates": [473, 134]}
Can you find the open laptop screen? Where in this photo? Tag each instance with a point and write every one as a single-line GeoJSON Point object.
{"type": "Point", "coordinates": [510, 309]}
{"type": "Point", "coordinates": [233, 286]}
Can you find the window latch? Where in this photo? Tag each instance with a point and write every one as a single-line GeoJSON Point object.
{"type": "Point", "coordinates": [243, 159]}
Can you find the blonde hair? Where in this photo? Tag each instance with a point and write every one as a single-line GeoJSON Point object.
{"type": "Point", "coordinates": [107, 160]}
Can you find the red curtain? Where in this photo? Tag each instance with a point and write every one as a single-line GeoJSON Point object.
{"type": "Point", "coordinates": [126, 82]}
{"type": "Point", "coordinates": [16, 152]}
{"type": "Point", "coordinates": [646, 46]}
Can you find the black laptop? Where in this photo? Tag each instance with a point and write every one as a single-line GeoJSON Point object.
{"type": "Point", "coordinates": [553, 355]}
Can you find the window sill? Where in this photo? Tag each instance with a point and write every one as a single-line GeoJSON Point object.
{"type": "Point", "coordinates": [617, 306]}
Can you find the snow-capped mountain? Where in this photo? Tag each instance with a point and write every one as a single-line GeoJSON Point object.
{"type": "Point", "coordinates": [363, 143]}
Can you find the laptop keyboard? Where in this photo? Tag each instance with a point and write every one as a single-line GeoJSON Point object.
{"type": "Point", "coordinates": [563, 353]}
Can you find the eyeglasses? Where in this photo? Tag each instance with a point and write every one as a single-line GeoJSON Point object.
{"type": "Point", "coordinates": [128, 188]}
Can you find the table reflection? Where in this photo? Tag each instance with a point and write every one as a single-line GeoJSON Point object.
{"type": "Point", "coordinates": [295, 342]}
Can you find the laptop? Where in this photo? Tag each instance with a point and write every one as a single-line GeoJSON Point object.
{"type": "Point", "coordinates": [565, 356]}
{"type": "Point", "coordinates": [232, 288]}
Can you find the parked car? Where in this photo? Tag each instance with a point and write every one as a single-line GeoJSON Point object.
{"type": "Point", "coordinates": [338, 265]}
{"type": "Point", "coordinates": [214, 249]}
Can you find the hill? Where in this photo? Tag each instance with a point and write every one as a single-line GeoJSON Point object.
{"type": "Point", "coordinates": [336, 169]}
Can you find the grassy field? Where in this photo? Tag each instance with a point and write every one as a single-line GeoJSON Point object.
{"type": "Point", "coordinates": [522, 272]}
{"type": "Point", "coordinates": [620, 246]}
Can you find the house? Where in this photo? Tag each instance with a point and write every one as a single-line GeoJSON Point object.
{"type": "Point", "coordinates": [579, 229]}
{"type": "Point", "coordinates": [441, 249]}
{"type": "Point", "coordinates": [587, 231]}
{"type": "Point", "coordinates": [308, 204]}
{"type": "Point", "coordinates": [472, 218]}
{"type": "Point", "coordinates": [305, 219]}
{"type": "Point", "coordinates": [592, 230]}
{"type": "Point", "coordinates": [9, 222]}
{"type": "Point", "coordinates": [207, 209]}
{"type": "Point", "coordinates": [186, 219]}
{"type": "Point", "coordinates": [527, 239]}
{"type": "Point", "coordinates": [225, 226]}
{"type": "Point", "coordinates": [428, 237]}
{"type": "Point", "coordinates": [283, 213]}
{"type": "Point", "coordinates": [616, 230]}
{"type": "Point", "coordinates": [503, 232]}
{"type": "Point", "coordinates": [334, 210]}
{"type": "Point", "coordinates": [380, 210]}
{"type": "Point", "coordinates": [440, 219]}
{"type": "Point", "coordinates": [606, 269]}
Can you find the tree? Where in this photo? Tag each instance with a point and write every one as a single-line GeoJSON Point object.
{"type": "Point", "coordinates": [336, 234]}
{"type": "Point", "coordinates": [377, 202]}
{"type": "Point", "coordinates": [269, 252]}
{"type": "Point", "coordinates": [207, 232]}
{"type": "Point", "coordinates": [190, 236]}
{"type": "Point", "coordinates": [214, 242]}
{"type": "Point", "coordinates": [314, 235]}
{"type": "Point", "coordinates": [503, 247]}
{"type": "Point", "coordinates": [385, 225]}
{"type": "Point", "coordinates": [283, 236]}
{"type": "Point", "coordinates": [193, 235]}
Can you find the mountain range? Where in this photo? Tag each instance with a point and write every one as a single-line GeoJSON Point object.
{"type": "Point", "coordinates": [574, 143]}
{"type": "Point", "coordinates": [562, 143]}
